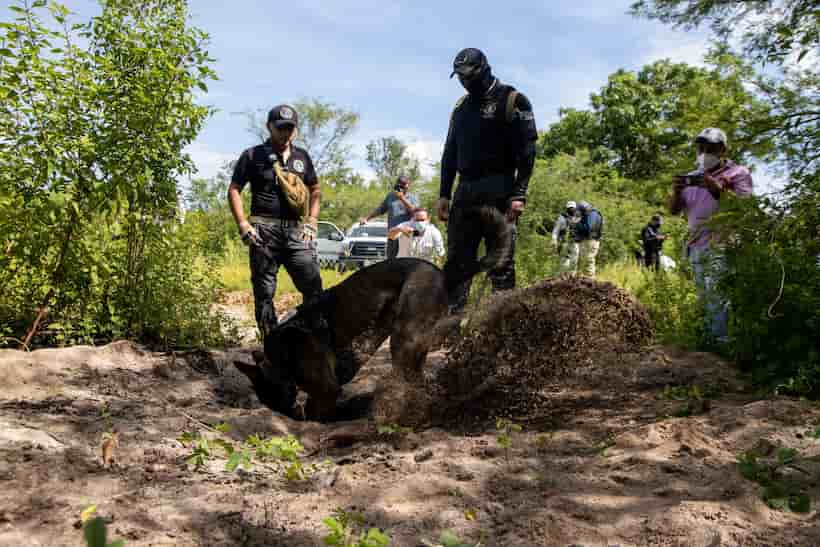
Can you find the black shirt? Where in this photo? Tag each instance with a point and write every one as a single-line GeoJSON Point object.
{"type": "Point", "coordinates": [649, 236]}
{"type": "Point", "coordinates": [256, 166]}
{"type": "Point", "coordinates": [481, 142]}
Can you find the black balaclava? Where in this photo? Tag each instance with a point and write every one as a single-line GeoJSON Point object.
{"type": "Point", "coordinates": [473, 71]}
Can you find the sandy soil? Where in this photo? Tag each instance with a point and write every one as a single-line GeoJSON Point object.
{"type": "Point", "coordinates": [604, 465]}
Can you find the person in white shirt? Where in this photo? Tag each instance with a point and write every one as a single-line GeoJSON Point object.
{"type": "Point", "coordinates": [418, 238]}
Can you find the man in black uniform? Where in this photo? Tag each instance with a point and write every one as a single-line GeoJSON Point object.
{"type": "Point", "coordinates": [491, 146]}
{"type": "Point", "coordinates": [274, 232]}
{"type": "Point", "coordinates": [653, 239]}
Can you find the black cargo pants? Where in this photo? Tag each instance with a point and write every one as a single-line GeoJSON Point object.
{"type": "Point", "coordinates": [282, 244]}
{"type": "Point", "coordinates": [469, 223]}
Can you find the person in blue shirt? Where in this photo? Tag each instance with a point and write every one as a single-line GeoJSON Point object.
{"type": "Point", "coordinates": [587, 240]}
{"type": "Point", "coordinates": [399, 206]}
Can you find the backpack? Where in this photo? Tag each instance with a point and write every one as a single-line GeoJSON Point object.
{"type": "Point", "coordinates": [584, 231]}
{"type": "Point", "coordinates": [292, 185]}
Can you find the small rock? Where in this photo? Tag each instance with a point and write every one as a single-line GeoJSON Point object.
{"type": "Point", "coordinates": [423, 456]}
{"type": "Point", "coordinates": [327, 479]}
{"type": "Point", "coordinates": [464, 475]}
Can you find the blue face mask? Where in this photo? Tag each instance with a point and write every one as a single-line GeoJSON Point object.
{"type": "Point", "coordinates": [420, 226]}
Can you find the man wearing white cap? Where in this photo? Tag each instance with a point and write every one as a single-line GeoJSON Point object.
{"type": "Point", "coordinates": [564, 225]}
{"type": "Point", "coordinates": [698, 196]}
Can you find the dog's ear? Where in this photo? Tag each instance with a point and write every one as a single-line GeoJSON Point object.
{"type": "Point", "coordinates": [253, 372]}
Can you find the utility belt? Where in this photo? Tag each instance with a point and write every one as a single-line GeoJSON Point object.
{"type": "Point", "coordinates": [490, 188]}
{"type": "Point", "coordinates": [271, 221]}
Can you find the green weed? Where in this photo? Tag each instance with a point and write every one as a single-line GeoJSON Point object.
{"type": "Point", "coordinates": [777, 492]}
{"type": "Point", "coordinates": [504, 434]}
{"type": "Point", "coordinates": [95, 530]}
{"type": "Point", "coordinates": [344, 526]}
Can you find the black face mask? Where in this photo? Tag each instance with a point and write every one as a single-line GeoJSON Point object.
{"type": "Point", "coordinates": [477, 82]}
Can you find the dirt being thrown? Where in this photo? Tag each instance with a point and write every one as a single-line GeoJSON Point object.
{"type": "Point", "coordinates": [519, 341]}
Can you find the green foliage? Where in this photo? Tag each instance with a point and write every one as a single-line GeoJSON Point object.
{"type": "Point", "coordinates": [604, 445]}
{"type": "Point", "coordinates": [773, 282]}
{"type": "Point", "coordinates": [96, 534]}
{"type": "Point", "coordinates": [201, 446]}
{"type": "Point", "coordinates": [92, 146]}
{"type": "Point", "coordinates": [393, 429]}
{"type": "Point", "coordinates": [95, 531]}
{"type": "Point", "coordinates": [388, 157]}
{"type": "Point", "coordinates": [695, 398]}
{"type": "Point", "coordinates": [284, 452]}
{"type": "Point", "coordinates": [504, 434]}
{"type": "Point", "coordinates": [450, 539]}
{"type": "Point", "coordinates": [324, 130]}
{"type": "Point", "coordinates": [343, 526]}
{"type": "Point", "coordinates": [644, 122]}
{"type": "Point", "coordinates": [563, 178]}
{"type": "Point", "coordinates": [772, 31]}
{"type": "Point", "coordinates": [778, 492]}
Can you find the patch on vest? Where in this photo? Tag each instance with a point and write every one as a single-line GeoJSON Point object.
{"type": "Point", "coordinates": [488, 110]}
{"type": "Point", "coordinates": [299, 166]}
{"type": "Point", "coordinates": [526, 116]}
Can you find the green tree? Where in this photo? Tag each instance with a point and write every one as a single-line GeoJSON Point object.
{"type": "Point", "coordinates": [575, 130]}
{"type": "Point", "coordinates": [772, 275]}
{"type": "Point", "coordinates": [91, 142]}
{"type": "Point", "coordinates": [643, 122]}
{"type": "Point", "coordinates": [389, 158]}
{"type": "Point", "coordinates": [324, 131]}
{"type": "Point", "coordinates": [770, 30]}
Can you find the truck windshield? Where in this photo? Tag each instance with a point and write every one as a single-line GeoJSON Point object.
{"type": "Point", "coordinates": [369, 231]}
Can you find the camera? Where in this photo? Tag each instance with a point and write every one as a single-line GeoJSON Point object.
{"type": "Point", "coordinates": [693, 178]}
{"type": "Point", "coordinates": [416, 233]}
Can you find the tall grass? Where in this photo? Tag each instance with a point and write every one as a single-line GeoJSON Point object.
{"type": "Point", "coordinates": [235, 273]}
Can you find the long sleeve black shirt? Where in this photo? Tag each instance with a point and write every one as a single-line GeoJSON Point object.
{"type": "Point", "coordinates": [481, 142]}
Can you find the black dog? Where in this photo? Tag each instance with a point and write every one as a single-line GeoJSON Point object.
{"type": "Point", "coordinates": [324, 344]}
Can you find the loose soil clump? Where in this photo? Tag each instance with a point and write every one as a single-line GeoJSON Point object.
{"type": "Point", "coordinates": [520, 341]}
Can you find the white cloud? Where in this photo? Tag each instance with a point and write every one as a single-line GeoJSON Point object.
{"type": "Point", "coordinates": [353, 13]}
{"type": "Point", "coordinates": [549, 90]}
{"type": "Point", "coordinates": [585, 10]}
{"type": "Point", "coordinates": [678, 46]}
{"type": "Point", "coordinates": [208, 162]}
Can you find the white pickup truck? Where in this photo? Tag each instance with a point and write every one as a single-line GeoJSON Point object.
{"type": "Point", "coordinates": [364, 245]}
{"type": "Point", "coordinates": [329, 244]}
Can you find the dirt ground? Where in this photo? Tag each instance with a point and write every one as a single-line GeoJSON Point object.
{"type": "Point", "coordinates": [605, 464]}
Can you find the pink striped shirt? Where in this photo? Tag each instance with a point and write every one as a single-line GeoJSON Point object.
{"type": "Point", "coordinates": [700, 205]}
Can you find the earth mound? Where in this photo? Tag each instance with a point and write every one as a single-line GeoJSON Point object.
{"type": "Point", "coordinates": [520, 341]}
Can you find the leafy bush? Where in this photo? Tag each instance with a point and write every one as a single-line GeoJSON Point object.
{"type": "Point", "coordinates": [619, 200]}
{"type": "Point", "coordinates": [92, 149]}
{"type": "Point", "coordinates": [773, 283]}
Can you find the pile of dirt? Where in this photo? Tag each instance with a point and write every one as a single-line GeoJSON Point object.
{"type": "Point", "coordinates": [520, 341]}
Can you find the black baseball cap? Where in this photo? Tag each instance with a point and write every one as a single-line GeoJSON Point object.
{"type": "Point", "coordinates": [468, 62]}
{"type": "Point", "coordinates": [283, 114]}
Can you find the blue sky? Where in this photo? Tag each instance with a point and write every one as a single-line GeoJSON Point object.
{"type": "Point", "coordinates": [390, 60]}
